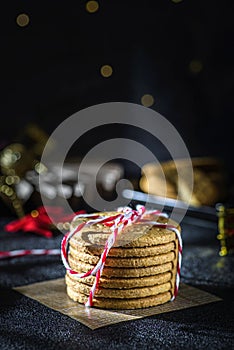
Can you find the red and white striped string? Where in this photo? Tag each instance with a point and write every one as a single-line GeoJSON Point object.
{"type": "Point", "coordinates": [24, 252]}
{"type": "Point", "coordinates": [125, 217]}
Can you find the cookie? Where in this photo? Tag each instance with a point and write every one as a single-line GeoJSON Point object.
{"type": "Point", "coordinates": [124, 252]}
{"type": "Point", "coordinates": [138, 235]}
{"type": "Point", "coordinates": [163, 187]}
{"type": "Point", "coordinates": [123, 272]}
{"type": "Point", "coordinates": [125, 262]}
{"type": "Point", "coordinates": [209, 180]}
{"type": "Point", "coordinates": [120, 293]}
{"type": "Point", "coordinates": [136, 303]}
{"type": "Point", "coordinates": [122, 283]}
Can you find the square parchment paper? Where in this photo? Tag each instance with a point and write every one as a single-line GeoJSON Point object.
{"type": "Point", "coordinates": [53, 294]}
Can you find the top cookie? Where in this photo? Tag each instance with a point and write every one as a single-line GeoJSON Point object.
{"type": "Point", "coordinates": [138, 235]}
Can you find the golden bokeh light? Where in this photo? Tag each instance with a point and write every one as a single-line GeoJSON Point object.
{"type": "Point", "coordinates": [195, 66]}
{"type": "Point", "coordinates": [40, 168]}
{"type": "Point", "coordinates": [92, 6]}
{"type": "Point", "coordinates": [9, 180]}
{"type": "Point", "coordinates": [147, 100]}
{"type": "Point", "coordinates": [22, 20]}
{"type": "Point", "coordinates": [106, 71]}
{"type": "Point", "coordinates": [34, 213]}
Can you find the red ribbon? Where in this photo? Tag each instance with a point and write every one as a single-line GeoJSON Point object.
{"type": "Point", "coordinates": [39, 222]}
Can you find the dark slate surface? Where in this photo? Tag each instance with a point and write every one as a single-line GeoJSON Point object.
{"type": "Point", "coordinates": [26, 324]}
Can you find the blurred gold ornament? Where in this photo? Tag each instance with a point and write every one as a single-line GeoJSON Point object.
{"type": "Point", "coordinates": [9, 196]}
{"type": "Point", "coordinates": [225, 228]}
{"type": "Point", "coordinates": [16, 160]}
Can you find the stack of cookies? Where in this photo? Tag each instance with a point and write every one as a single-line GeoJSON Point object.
{"type": "Point", "coordinates": [140, 270]}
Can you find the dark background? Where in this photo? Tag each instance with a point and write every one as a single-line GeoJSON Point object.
{"type": "Point", "coordinates": [50, 68]}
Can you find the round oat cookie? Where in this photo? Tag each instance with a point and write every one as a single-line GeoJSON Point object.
{"type": "Point", "coordinates": [124, 304]}
{"type": "Point", "coordinates": [120, 283]}
{"type": "Point", "coordinates": [120, 293]}
{"type": "Point", "coordinates": [123, 252]}
{"type": "Point", "coordinates": [127, 262]}
{"type": "Point", "coordinates": [80, 267]}
{"type": "Point", "coordinates": [153, 237]}
{"type": "Point", "coordinates": [134, 236]}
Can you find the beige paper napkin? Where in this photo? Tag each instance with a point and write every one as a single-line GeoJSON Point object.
{"type": "Point", "coordinates": [53, 294]}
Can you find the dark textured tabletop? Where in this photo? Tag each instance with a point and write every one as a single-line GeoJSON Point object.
{"type": "Point", "coordinates": [27, 324]}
